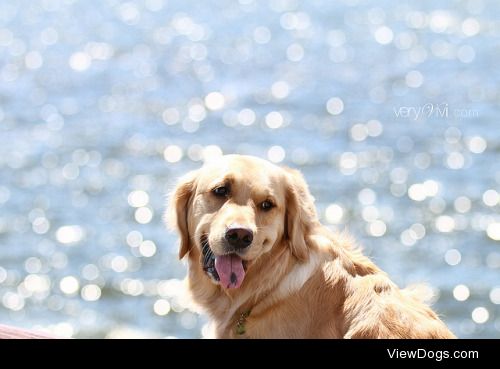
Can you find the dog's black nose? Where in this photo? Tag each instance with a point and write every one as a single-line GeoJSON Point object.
{"type": "Point", "coordinates": [239, 237]}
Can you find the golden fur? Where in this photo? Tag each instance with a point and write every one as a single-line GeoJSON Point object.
{"type": "Point", "coordinates": [302, 280]}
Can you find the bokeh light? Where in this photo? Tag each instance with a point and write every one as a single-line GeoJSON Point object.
{"type": "Point", "coordinates": [461, 292]}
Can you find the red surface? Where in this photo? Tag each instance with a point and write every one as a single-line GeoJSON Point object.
{"type": "Point", "coordinates": [7, 332]}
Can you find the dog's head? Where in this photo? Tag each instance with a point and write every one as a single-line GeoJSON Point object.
{"type": "Point", "coordinates": [232, 212]}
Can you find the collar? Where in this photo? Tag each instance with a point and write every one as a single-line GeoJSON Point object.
{"type": "Point", "coordinates": [241, 322]}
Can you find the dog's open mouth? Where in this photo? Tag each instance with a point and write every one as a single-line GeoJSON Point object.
{"type": "Point", "coordinates": [229, 270]}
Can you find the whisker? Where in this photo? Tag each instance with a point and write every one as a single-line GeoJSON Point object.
{"type": "Point", "coordinates": [207, 257]}
{"type": "Point", "coordinates": [206, 251]}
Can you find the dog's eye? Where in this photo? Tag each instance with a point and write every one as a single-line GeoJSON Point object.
{"type": "Point", "coordinates": [266, 205]}
{"type": "Point", "coordinates": [221, 191]}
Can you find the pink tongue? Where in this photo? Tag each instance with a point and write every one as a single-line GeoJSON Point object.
{"type": "Point", "coordinates": [230, 270]}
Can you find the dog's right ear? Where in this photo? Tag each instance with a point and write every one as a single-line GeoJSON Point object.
{"type": "Point", "coordinates": [177, 213]}
{"type": "Point", "coordinates": [300, 213]}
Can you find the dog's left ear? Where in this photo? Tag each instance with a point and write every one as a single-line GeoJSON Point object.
{"type": "Point", "coordinates": [300, 213]}
{"type": "Point", "coordinates": [177, 212]}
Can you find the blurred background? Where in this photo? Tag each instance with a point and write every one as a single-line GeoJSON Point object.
{"type": "Point", "coordinates": [390, 109]}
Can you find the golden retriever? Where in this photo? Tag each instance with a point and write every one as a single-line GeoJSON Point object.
{"type": "Point", "coordinates": [262, 266]}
